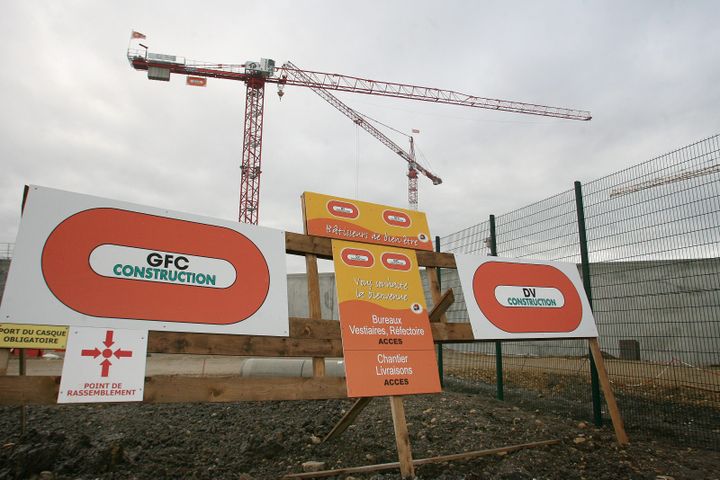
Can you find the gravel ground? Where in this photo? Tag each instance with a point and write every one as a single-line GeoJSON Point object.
{"type": "Point", "coordinates": [266, 440]}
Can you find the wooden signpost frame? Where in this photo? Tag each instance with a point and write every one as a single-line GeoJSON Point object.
{"type": "Point", "coordinates": [309, 337]}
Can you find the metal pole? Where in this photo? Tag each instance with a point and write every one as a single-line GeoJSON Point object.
{"type": "Point", "coordinates": [585, 265]}
{"type": "Point", "coordinates": [439, 345]}
{"type": "Point", "coordinates": [498, 344]}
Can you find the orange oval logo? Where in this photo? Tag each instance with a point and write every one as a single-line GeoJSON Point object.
{"type": "Point", "coordinates": [357, 257]}
{"type": "Point", "coordinates": [396, 219]}
{"type": "Point", "coordinates": [527, 297]}
{"type": "Point", "coordinates": [113, 263]}
{"type": "Point", "coordinates": [396, 261]}
{"type": "Point", "coordinates": [342, 209]}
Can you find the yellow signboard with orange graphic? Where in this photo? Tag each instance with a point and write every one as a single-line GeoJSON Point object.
{"type": "Point", "coordinates": [345, 219]}
{"type": "Point", "coordinates": [387, 340]}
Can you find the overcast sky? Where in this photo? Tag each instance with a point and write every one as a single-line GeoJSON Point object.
{"type": "Point", "coordinates": [77, 117]}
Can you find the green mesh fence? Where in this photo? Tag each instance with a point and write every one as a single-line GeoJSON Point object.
{"type": "Point", "coordinates": [654, 240]}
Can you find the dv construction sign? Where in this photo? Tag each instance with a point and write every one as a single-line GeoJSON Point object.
{"type": "Point", "coordinates": [87, 261]}
{"type": "Point", "coordinates": [509, 298]}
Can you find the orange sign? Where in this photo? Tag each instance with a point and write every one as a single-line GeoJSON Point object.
{"type": "Point", "coordinates": [196, 81]}
{"type": "Point", "coordinates": [507, 293]}
{"type": "Point", "coordinates": [387, 340]}
{"type": "Point", "coordinates": [89, 268]}
{"type": "Point", "coordinates": [511, 298]}
{"type": "Point", "coordinates": [345, 219]}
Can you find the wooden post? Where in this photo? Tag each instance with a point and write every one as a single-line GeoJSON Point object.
{"type": "Point", "coordinates": [617, 421]}
{"type": "Point", "coordinates": [402, 438]}
{"type": "Point", "coordinates": [314, 305]}
{"type": "Point", "coordinates": [434, 283]}
{"type": "Point", "coordinates": [4, 360]}
{"type": "Point", "coordinates": [348, 418]}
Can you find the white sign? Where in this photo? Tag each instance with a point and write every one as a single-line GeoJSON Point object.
{"type": "Point", "coordinates": [92, 262]}
{"type": "Point", "coordinates": [524, 299]}
{"type": "Point", "coordinates": [103, 365]}
{"type": "Point", "coordinates": [517, 296]}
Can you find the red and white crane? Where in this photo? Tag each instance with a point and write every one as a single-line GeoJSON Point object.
{"type": "Point", "coordinates": [362, 121]}
{"type": "Point", "coordinates": [256, 74]}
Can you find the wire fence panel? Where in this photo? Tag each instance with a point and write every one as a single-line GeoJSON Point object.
{"type": "Point", "coordinates": [654, 237]}
{"type": "Point", "coordinates": [6, 250]}
{"type": "Point", "coordinates": [654, 243]}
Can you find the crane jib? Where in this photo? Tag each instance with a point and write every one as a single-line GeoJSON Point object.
{"type": "Point", "coordinates": [256, 74]}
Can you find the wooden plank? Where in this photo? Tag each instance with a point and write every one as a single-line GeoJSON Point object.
{"type": "Point", "coordinates": [615, 416]}
{"type": "Point", "coordinates": [28, 390]}
{"type": "Point", "coordinates": [452, 332]}
{"type": "Point", "coordinates": [299, 244]}
{"type": "Point", "coordinates": [34, 390]}
{"type": "Point", "coordinates": [421, 461]}
{"type": "Point", "coordinates": [4, 360]}
{"type": "Point", "coordinates": [308, 338]}
{"type": "Point", "coordinates": [301, 328]}
{"type": "Point", "coordinates": [216, 344]}
{"type": "Point", "coordinates": [437, 314]}
{"type": "Point", "coordinates": [317, 329]}
{"type": "Point", "coordinates": [402, 437]}
{"type": "Point", "coordinates": [435, 293]}
{"type": "Point", "coordinates": [348, 418]}
{"type": "Point", "coordinates": [435, 259]}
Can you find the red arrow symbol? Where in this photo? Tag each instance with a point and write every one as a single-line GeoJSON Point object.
{"type": "Point", "coordinates": [108, 339]}
{"type": "Point", "coordinates": [105, 367]}
{"type": "Point", "coordinates": [91, 353]}
{"type": "Point", "coordinates": [123, 353]}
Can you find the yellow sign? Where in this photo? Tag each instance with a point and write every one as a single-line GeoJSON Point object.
{"type": "Point", "coordinates": [32, 336]}
{"type": "Point", "coordinates": [386, 335]}
{"type": "Point", "coordinates": [345, 219]}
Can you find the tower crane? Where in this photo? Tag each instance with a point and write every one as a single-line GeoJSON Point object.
{"type": "Point", "coordinates": [361, 121]}
{"type": "Point", "coordinates": [255, 74]}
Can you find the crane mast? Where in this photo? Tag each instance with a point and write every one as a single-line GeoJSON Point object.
{"type": "Point", "coordinates": [412, 178]}
{"type": "Point", "coordinates": [256, 74]}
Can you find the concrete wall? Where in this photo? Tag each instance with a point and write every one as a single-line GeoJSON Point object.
{"type": "Point", "coordinates": [672, 308]}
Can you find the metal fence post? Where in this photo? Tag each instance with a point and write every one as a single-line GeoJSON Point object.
{"type": "Point", "coordinates": [439, 345]}
{"type": "Point", "coordinates": [585, 264]}
{"type": "Point", "coordinates": [498, 343]}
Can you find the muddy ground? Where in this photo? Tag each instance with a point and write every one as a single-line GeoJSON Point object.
{"type": "Point", "coordinates": [267, 440]}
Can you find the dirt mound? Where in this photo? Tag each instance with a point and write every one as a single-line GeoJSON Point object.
{"type": "Point", "coordinates": [267, 440]}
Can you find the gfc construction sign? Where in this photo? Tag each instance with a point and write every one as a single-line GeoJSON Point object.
{"type": "Point", "coordinates": [93, 262]}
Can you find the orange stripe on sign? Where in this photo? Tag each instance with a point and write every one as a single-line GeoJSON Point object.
{"type": "Point", "coordinates": [396, 219]}
{"type": "Point", "coordinates": [196, 81]}
{"type": "Point", "coordinates": [396, 261]}
{"type": "Point", "coordinates": [526, 276]}
{"type": "Point", "coordinates": [357, 257]}
{"type": "Point", "coordinates": [342, 209]}
{"type": "Point", "coordinates": [68, 274]}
